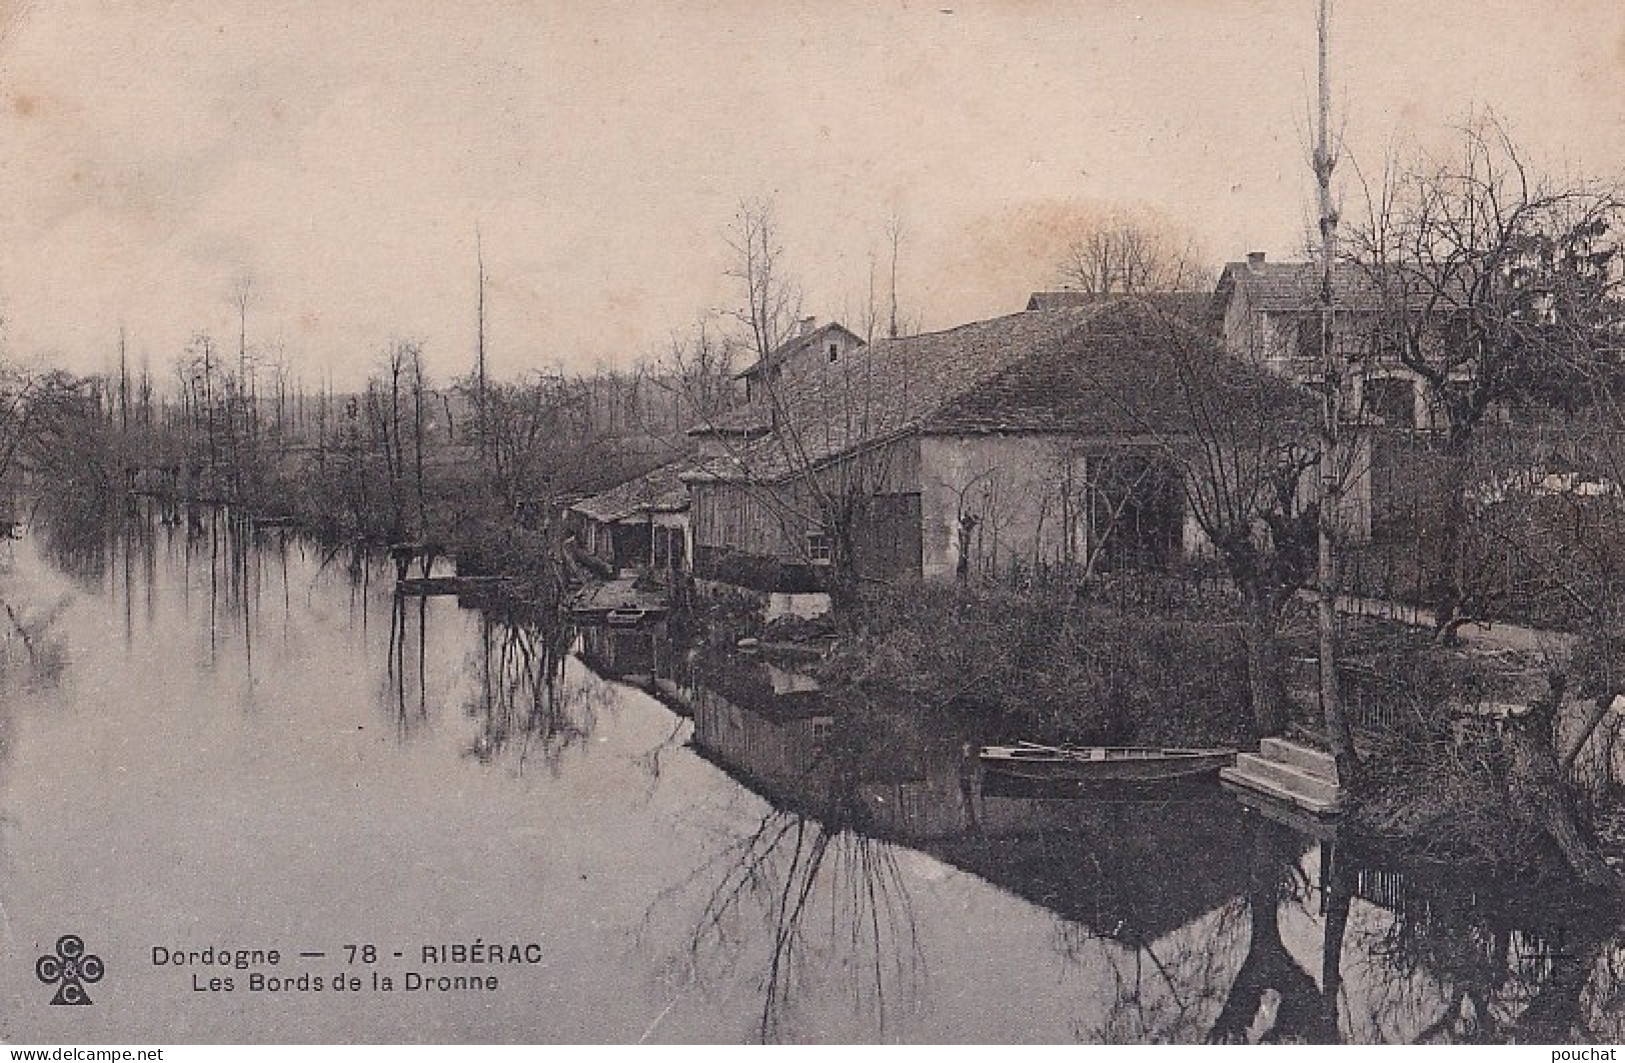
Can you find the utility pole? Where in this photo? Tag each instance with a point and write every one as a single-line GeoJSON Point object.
{"type": "Point", "coordinates": [123, 388]}
{"type": "Point", "coordinates": [479, 347]}
{"type": "Point", "coordinates": [1336, 723]}
{"type": "Point", "coordinates": [894, 229]}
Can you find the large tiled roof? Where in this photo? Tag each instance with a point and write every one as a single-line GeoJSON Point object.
{"type": "Point", "coordinates": [892, 380]}
{"type": "Point", "coordinates": [658, 491]}
{"type": "Point", "coordinates": [1107, 379]}
{"type": "Point", "coordinates": [1294, 287]}
{"type": "Point", "coordinates": [882, 390]}
{"type": "Point", "coordinates": [1088, 370]}
{"type": "Point", "coordinates": [1194, 307]}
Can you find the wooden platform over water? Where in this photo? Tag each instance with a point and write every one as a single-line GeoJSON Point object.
{"type": "Point", "coordinates": [620, 601]}
{"type": "Point", "coordinates": [426, 586]}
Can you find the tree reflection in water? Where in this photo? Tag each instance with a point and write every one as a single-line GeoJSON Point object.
{"type": "Point", "coordinates": [519, 699]}
{"type": "Point", "coordinates": [813, 887]}
{"type": "Point", "coordinates": [790, 869]}
{"type": "Point", "coordinates": [1180, 917]}
{"type": "Point", "coordinates": [1465, 959]}
{"type": "Point", "coordinates": [1168, 906]}
{"type": "Point", "coordinates": [1272, 999]}
{"type": "Point", "coordinates": [1160, 992]}
{"type": "Point", "coordinates": [1435, 959]}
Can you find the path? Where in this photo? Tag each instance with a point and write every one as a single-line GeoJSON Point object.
{"type": "Point", "coordinates": [1496, 635]}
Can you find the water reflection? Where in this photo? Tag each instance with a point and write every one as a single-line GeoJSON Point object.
{"type": "Point", "coordinates": [1479, 963]}
{"type": "Point", "coordinates": [822, 895]}
{"type": "Point", "coordinates": [838, 862]}
{"type": "Point", "coordinates": [1194, 917]}
{"type": "Point", "coordinates": [520, 699]}
{"type": "Point", "coordinates": [1272, 997]}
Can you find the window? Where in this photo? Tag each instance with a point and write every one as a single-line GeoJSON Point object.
{"type": "Point", "coordinates": [1391, 398]}
{"type": "Point", "coordinates": [819, 550]}
{"type": "Point", "coordinates": [822, 728]}
{"type": "Point", "coordinates": [834, 351]}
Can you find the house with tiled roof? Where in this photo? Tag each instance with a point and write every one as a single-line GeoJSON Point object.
{"type": "Point", "coordinates": [1022, 444]}
{"type": "Point", "coordinates": [642, 523]}
{"type": "Point", "coordinates": [1270, 315]}
{"type": "Point", "coordinates": [812, 351]}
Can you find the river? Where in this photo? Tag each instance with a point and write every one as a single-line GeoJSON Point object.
{"type": "Point", "coordinates": [223, 742]}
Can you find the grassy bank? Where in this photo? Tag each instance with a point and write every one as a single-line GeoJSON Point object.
{"type": "Point", "coordinates": [1048, 666]}
{"type": "Point", "coordinates": [1438, 778]}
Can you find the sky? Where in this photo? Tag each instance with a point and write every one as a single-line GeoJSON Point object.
{"type": "Point", "coordinates": [339, 156]}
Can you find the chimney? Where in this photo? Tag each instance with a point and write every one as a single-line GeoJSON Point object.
{"type": "Point", "coordinates": [1255, 259]}
{"type": "Point", "coordinates": [806, 325]}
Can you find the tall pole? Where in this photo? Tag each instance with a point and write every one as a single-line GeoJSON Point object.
{"type": "Point", "coordinates": [123, 387]}
{"type": "Point", "coordinates": [896, 233]}
{"type": "Point", "coordinates": [1336, 723]}
{"type": "Point", "coordinates": [479, 346]}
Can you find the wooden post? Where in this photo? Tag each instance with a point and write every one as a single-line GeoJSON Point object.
{"type": "Point", "coordinates": [1338, 732]}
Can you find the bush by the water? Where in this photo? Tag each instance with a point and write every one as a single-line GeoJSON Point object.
{"type": "Point", "coordinates": [1052, 667]}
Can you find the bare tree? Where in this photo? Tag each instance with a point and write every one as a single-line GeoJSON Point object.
{"type": "Point", "coordinates": [1500, 290]}
{"type": "Point", "coordinates": [697, 372]}
{"type": "Point", "coordinates": [1332, 474]}
{"type": "Point", "coordinates": [813, 465]}
{"type": "Point", "coordinates": [479, 349]}
{"type": "Point", "coordinates": [1494, 284]}
{"type": "Point", "coordinates": [772, 298]}
{"type": "Point", "coordinates": [894, 236]}
{"type": "Point", "coordinates": [1245, 444]}
{"type": "Point", "coordinates": [1131, 251]}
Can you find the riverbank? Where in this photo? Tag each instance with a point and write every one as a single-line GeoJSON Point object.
{"type": "Point", "coordinates": [1054, 666]}
{"type": "Point", "coordinates": [369, 743]}
{"type": "Point", "coordinates": [1438, 779]}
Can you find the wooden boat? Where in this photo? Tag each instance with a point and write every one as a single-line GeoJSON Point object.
{"type": "Point", "coordinates": [1028, 760]}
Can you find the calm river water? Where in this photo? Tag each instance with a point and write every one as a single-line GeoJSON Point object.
{"type": "Point", "coordinates": [212, 743]}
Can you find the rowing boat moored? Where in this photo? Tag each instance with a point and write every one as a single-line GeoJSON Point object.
{"type": "Point", "coordinates": [1102, 763]}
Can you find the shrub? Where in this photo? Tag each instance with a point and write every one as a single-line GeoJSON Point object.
{"type": "Point", "coordinates": [1049, 667]}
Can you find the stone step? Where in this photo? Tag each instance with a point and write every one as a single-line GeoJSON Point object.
{"type": "Point", "coordinates": [1305, 758]}
{"type": "Point", "coordinates": [1263, 793]}
{"type": "Point", "coordinates": [1318, 823]}
{"type": "Point", "coordinates": [1285, 783]}
{"type": "Point", "coordinates": [1289, 776]}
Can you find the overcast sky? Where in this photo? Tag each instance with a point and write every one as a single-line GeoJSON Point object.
{"type": "Point", "coordinates": [341, 153]}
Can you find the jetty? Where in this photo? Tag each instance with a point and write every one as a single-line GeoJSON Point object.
{"type": "Point", "coordinates": [429, 586]}
{"type": "Point", "coordinates": [619, 602]}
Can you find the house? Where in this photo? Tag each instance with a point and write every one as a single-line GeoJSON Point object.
{"type": "Point", "coordinates": [642, 523]}
{"type": "Point", "coordinates": [810, 352]}
{"type": "Point", "coordinates": [1270, 315]}
{"type": "Point", "coordinates": [1010, 447]}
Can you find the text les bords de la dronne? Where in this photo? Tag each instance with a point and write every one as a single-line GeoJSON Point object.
{"type": "Point", "coordinates": [469, 967]}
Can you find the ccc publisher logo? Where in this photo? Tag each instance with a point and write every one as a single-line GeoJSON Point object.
{"type": "Point", "coordinates": [70, 969]}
